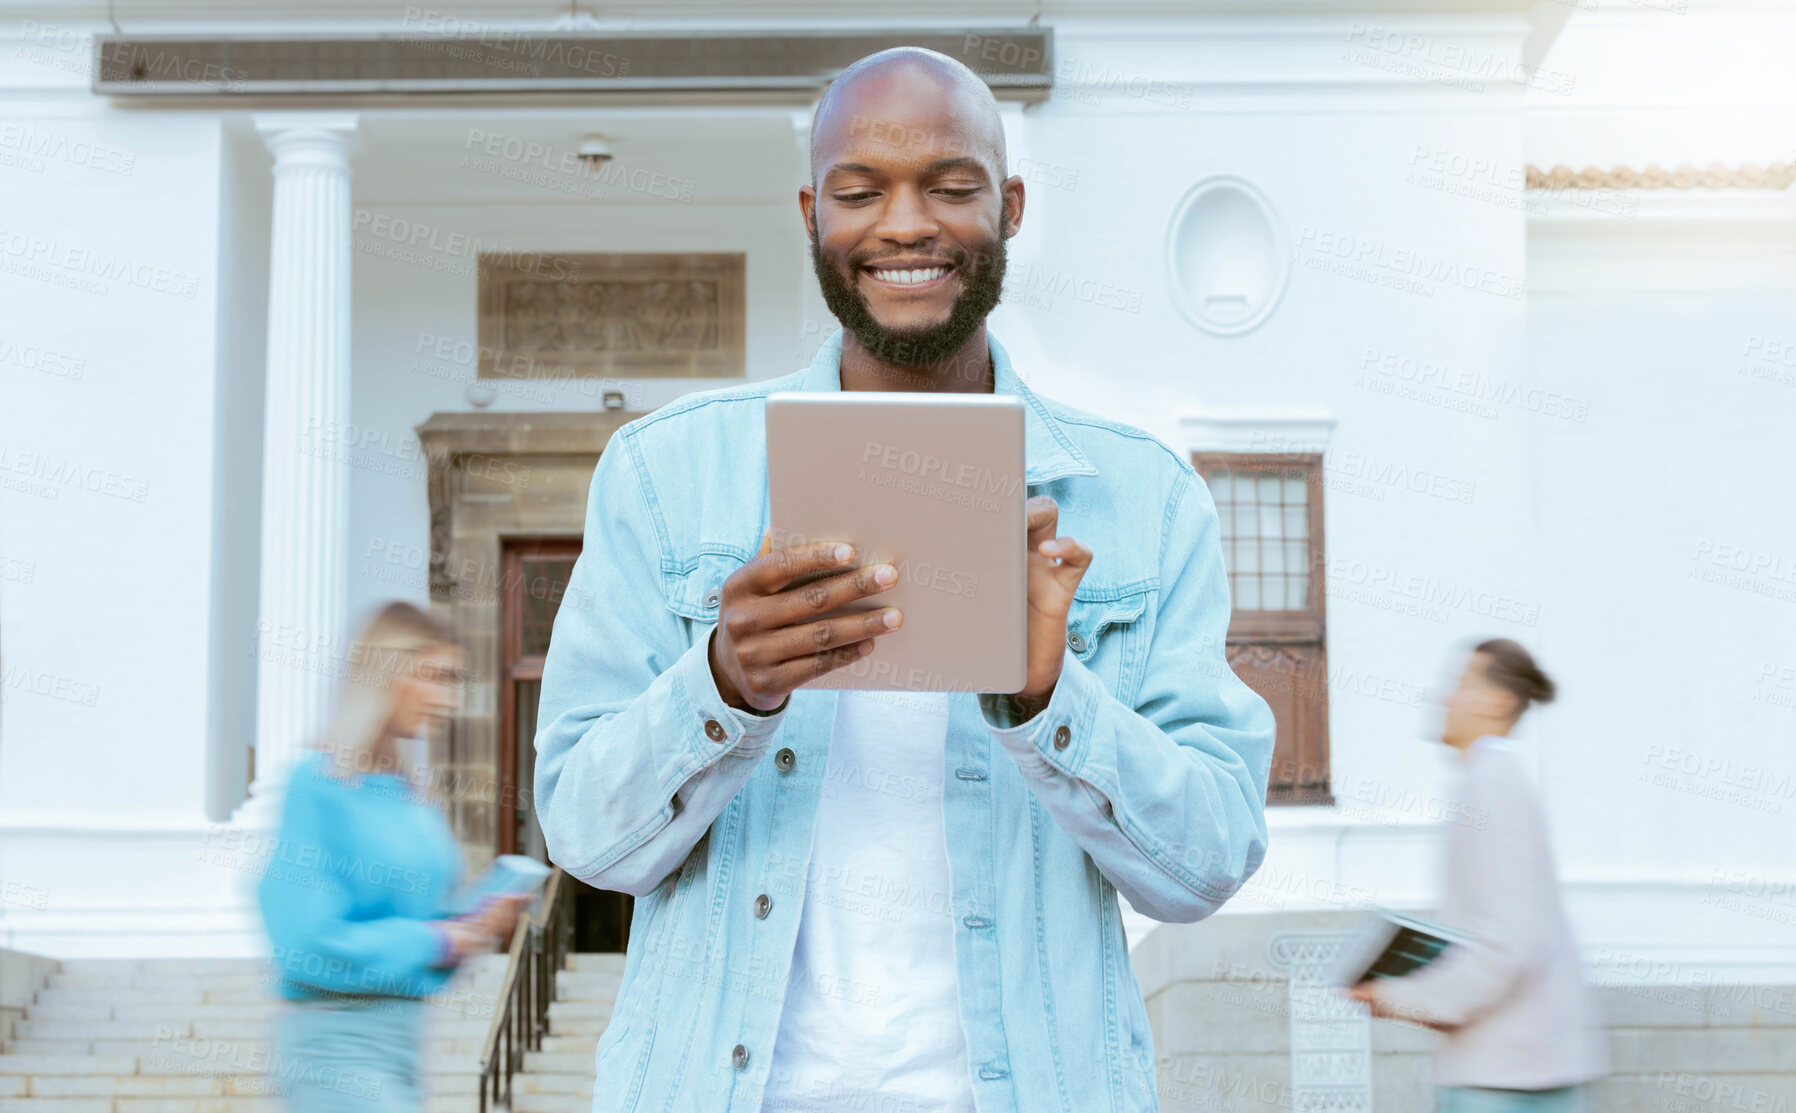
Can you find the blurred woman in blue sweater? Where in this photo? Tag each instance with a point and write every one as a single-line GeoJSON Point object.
{"type": "Point", "coordinates": [354, 895]}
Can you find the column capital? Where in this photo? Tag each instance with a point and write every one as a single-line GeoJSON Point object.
{"type": "Point", "coordinates": [309, 138]}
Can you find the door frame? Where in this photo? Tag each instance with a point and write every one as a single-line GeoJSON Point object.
{"type": "Point", "coordinates": [494, 478]}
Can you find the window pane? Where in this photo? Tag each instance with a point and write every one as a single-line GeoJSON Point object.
{"type": "Point", "coordinates": [1247, 593]}
{"type": "Point", "coordinates": [1247, 520]}
{"type": "Point", "coordinates": [1297, 592]}
{"type": "Point", "coordinates": [545, 581]}
{"type": "Point", "coordinates": [1247, 556]}
{"type": "Point", "coordinates": [1297, 556]}
{"type": "Point", "coordinates": [1267, 487]}
{"type": "Point", "coordinates": [1297, 492]}
{"type": "Point", "coordinates": [1219, 484]}
{"type": "Point", "coordinates": [1297, 521]}
{"type": "Point", "coordinates": [1270, 523]}
{"type": "Point", "coordinates": [1274, 552]}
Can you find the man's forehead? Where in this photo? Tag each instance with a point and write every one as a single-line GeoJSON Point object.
{"type": "Point", "coordinates": [904, 114]}
{"type": "Point", "coordinates": [905, 142]}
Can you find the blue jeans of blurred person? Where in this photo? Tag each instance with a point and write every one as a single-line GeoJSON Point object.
{"type": "Point", "coordinates": [350, 1055]}
{"type": "Point", "coordinates": [1475, 1099]}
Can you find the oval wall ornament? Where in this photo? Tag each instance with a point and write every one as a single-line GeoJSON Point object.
{"type": "Point", "coordinates": [1227, 255]}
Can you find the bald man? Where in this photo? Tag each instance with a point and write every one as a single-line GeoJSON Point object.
{"type": "Point", "coordinates": [893, 900]}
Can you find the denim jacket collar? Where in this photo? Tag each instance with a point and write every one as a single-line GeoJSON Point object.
{"type": "Point", "coordinates": [1048, 452]}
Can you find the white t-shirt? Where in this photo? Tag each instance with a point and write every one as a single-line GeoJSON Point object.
{"type": "Point", "coordinates": [872, 1012]}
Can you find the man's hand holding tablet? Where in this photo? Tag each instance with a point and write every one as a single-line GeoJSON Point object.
{"type": "Point", "coordinates": [928, 488]}
{"type": "Point", "coordinates": [1056, 565]}
{"type": "Point", "coordinates": [769, 639]}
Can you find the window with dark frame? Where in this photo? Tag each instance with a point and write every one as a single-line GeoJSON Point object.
{"type": "Point", "coordinates": [1270, 509]}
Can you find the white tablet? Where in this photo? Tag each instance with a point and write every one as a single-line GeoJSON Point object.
{"type": "Point", "coordinates": [932, 484]}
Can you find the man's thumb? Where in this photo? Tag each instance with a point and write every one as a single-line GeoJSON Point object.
{"type": "Point", "coordinates": [767, 541]}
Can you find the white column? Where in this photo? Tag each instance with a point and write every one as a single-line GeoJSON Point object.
{"type": "Point", "coordinates": [305, 482]}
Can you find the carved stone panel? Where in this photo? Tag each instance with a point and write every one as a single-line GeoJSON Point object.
{"type": "Point", "coordinates": [1331, 1036]}
{"type": "Point", "coordinates": [613, 316]}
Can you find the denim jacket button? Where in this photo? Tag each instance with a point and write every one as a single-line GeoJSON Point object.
{"type": "Point", "coordinates": [713, 597]}
{"type": "Point", "coordinates": [714, 730]}
{"type": "Point", "coordinates": [785, 759]}
{"type": "Point", "coordinates": [739, 1057]}
{"type": "Point", "coordinates": [1063, 734]}
{"type": "Point", "coordinates": [763, 905]}
{"type": "Point", "coordinates": [1075, 641]}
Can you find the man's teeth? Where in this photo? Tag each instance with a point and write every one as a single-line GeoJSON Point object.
{"type": "Point", "coordinates": [910, 277]}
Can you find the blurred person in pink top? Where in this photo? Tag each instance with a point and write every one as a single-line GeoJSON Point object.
{"type": "Point", "coordinates": [1521, 1031]}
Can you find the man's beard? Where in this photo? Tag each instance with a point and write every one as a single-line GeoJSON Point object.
{"type": "Point", "coordinates": [982, 284]}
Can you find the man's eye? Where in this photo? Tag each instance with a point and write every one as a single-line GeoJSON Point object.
{"type": "Point", "coordinates": [958, 192]}
{"type": "Point", "coordinates": [854, 196]}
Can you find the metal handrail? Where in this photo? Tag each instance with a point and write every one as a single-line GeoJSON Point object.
{"type": "Point", "coordinates": [539, 947]}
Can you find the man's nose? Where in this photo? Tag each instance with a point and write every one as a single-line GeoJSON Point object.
{"type": "Point", "coordinates": [906, 218]}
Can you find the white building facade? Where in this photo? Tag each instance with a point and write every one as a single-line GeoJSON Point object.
{"type": "Point", "coordinates": [1558, 415]}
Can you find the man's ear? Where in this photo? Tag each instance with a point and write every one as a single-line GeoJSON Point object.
{"type": "Point", "coordinates": [807, 210]}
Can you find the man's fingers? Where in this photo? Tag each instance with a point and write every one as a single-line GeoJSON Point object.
{"type": "Point", "coordinates": [821, 596]}
{"type": "Point", "coordinates": [775, 568]}
{"type": "Point", "coordinates": [780, 646]}
{"type": "Point", "coordinates": [1043, 518]}
{"type": "Point", "coordinates": [800, 669]}
{"type": "Point", "coordinates": [1068, 551]}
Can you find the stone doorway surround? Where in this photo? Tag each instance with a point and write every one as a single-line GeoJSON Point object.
{"type": "Point", "coordinates": [494, 477]}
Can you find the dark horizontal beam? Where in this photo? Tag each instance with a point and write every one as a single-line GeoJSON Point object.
{"type": "Point", "coordinates": [1017, 62]}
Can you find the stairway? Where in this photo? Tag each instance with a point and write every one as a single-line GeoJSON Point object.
{"type": "Point", "coordinates": [559, 1078]}
{"type": "Point", "coordinates": [195, 1036]}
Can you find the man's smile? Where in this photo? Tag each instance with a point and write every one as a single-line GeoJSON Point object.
{"type": "Point", "coordinates": [914, 276]}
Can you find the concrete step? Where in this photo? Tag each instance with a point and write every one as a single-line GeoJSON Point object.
{"type": "Point", "coordinates": [554, 1062]}
{"type": "Point", "coordinates": [150, 1105]}
{"type": "Point", "coordinates": [247, 1058]}
{"type": "Point", "coordinates": [54, 1007]}
{"type": "Point", "coordinates": [68, 1064]}
{"type": "Point", "coordinates": [458, 1045]}
{"type": "Point", "coordinates": [572, 1045]}
{"type": "Point", "coordinates": [560, 1010]}
{"type": "Point", "coordinates": [129, 980]}
{"type": "Point", "coordinates": [549, 1103]}
{"type": "Point", "coordinates": [593, 1026]}
{"type": "Point", "coordinates": [265, 983]}
{"type": "Point", "coordinates": [110, 1029]}
{"type": "Point", "coordinates": [170, 967]}
{"type": "Point", "coordinates": [583, 987]}
{"type": "Point", "coordinates": [592, 961]}
{"type": "Point", "coordinates": [121, 996]}
{"type": "Point", "coordinates": [135, 1085]}
{"type": "Point", "coordinates": [547, 1082]}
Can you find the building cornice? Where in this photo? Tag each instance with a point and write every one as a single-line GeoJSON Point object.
{"type": "Point", "coordinates": [1779, 175]}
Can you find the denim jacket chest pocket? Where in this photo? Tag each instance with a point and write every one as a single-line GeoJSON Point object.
{"type": "Point", "coordinates": [1107, 631]}
{"type": "Point", "coordinates": [696, 591]}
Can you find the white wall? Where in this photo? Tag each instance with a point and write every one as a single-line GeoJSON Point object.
{"type": "Point", "coordinates": [245, 201]}
{"type": "Point", "coordinates": [107, 499]}
{"type": "Point", "coordinates": [415, 331]}
{"type": "Point", "coordinates": [1590, 438]}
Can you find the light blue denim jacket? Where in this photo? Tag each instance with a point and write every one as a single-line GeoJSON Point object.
{"type": "Point", "coordinates": [648, 783]}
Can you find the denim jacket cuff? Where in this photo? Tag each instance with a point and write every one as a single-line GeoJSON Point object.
{"type": "Point", "coordinates": [745, 735]}
{"type": "Point", "coordinates": [1055, 739]}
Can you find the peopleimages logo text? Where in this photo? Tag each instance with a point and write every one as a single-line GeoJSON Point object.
{"type": "Point", "coordinates": [925, 465]}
